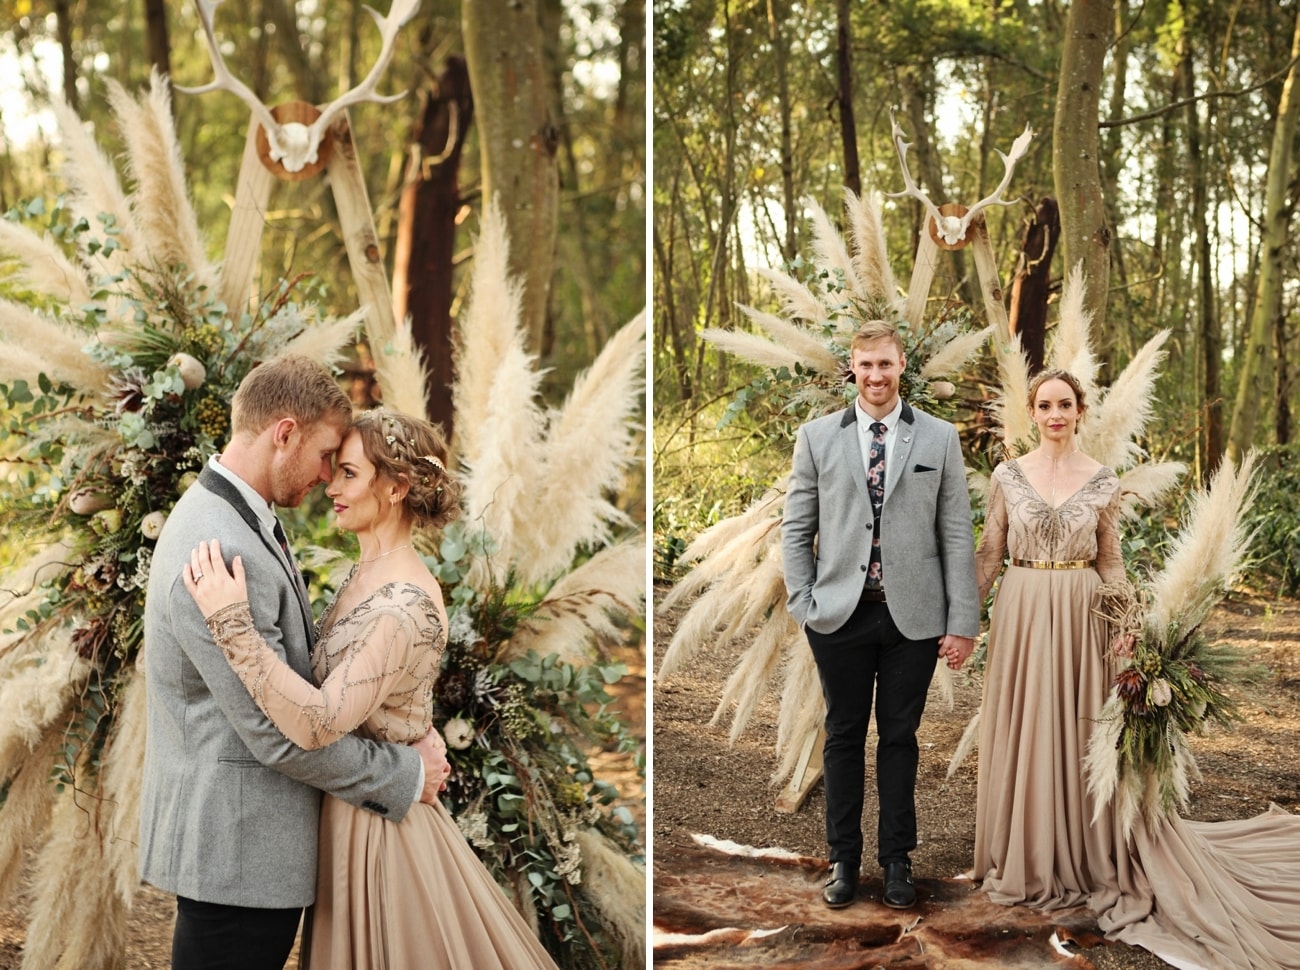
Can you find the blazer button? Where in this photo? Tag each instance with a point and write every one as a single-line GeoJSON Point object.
{"type": "Point", "coordinates": [863, 568]}
{"type": "Point", "coordinates": [868, 526]}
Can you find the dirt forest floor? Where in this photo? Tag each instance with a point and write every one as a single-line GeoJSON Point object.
{"type": "Point", "coordinates": [149, 927]}
{"type": "Point", "coordinates": [704, 786]}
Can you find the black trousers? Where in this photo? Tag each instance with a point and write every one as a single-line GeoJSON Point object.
{"type": "Point", "coordinates": [213, 936]}
{"type": "Point", "coordinates": [865, 659]}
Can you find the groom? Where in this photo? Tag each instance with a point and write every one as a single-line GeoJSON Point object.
{"type": "Point", "coordinates": [880, 571]}
{"type": "Point", "coordinates": [230, 806]}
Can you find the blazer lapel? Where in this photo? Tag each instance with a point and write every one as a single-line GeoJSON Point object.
{"type": "Point", "coordinates": [903, 436]}
{"type": "Point", "coordinates": [852, 447]}
{"type": "Point", "coordinates": [222, 488]}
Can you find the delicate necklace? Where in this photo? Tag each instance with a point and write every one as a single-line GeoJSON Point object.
{"type": "Point", "coordinates": [362, 562]}
{"type": "Point", "coordinates": [1056, 461]}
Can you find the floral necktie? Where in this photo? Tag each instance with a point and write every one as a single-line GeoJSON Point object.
{"type": "Point", "coordinates": [876, 489]}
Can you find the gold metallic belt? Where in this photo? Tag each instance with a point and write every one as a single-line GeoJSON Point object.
{"type": "Point", "coordinates": [1049, 564]}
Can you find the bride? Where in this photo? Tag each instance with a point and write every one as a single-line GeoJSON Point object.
{"type": "Point", "coordinates": [1198, 895]}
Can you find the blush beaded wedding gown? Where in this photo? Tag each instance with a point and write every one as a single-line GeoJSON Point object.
{"type": "Point", "coordinates": [1197, 894]}
{"type": "Point", "coordinates": [389, 895]}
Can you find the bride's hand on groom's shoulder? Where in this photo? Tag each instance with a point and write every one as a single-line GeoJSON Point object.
{"type": "Point", "coordinates": [210, 583]}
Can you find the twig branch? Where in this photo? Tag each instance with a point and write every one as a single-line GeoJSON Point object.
{"type": "Point", "coordinates": [1159, 112]}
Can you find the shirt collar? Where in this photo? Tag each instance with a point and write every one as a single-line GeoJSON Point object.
{"type": "Point", "coordinates": [260, 506]}
{"type": "Point", "coordinates": [890, 420]}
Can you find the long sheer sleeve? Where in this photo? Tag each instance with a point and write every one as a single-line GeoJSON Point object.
{"type": "Point", "coordinates": [312, 717]}
{"type": "Point", "coordinates": [993, 541]}
{"type": "Point", "coordinates": [1110, 560]}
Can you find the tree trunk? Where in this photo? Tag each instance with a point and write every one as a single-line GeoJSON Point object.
{"type": "Point", "coordinates": [160, 50]}
{"type": "Point", "coordinates": [1032, 283]}
{"type": "Point", "coordinates": [1256, 366]}
{"type": "Point", "coordinates": [1211, 339]}
{"type": "Point", "coordinates": [63, 17]}
{"type": "Point", "coordinates": [844, 97]}
{"type": "Point", "coordinates": [426, 230]}
{"type": "Point", "coordinates": [780, 53]}
{"type": "Point", "coordinates": [1085, 236]}
{"type": "Point", "coordinates": [518, 140]}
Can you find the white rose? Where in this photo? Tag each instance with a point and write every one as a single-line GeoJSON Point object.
{"type": "Point", "coordinates": [458, 733]}
{"type": "Point", "coordinates": [151, 525]}
{"type": "Point", "coordinates": [192, 371]}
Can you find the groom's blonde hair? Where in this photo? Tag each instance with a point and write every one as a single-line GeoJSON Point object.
{"type": "Point", "coordinates": [290, 386]}
{"type": "Point", "coordinates": [874, 330]}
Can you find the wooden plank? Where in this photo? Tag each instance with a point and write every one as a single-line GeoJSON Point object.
{"type": "Point", "coordinates": [359, 235]}
{"type": "Point", "coordinates": [986, 268]}
{"type": "Point", "coordinates": [918, 290]}
{"type": "Point", "coordinates": [807, 772]}
{"type": "Point", "coordinates": [247, 220]}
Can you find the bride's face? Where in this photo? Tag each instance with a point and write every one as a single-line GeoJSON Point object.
{"type": "Point", "coordinates": [1055, 411]}
{"type": "Point", "coordinates": [352, 488]}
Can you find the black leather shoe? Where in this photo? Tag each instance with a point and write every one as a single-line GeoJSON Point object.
{"type": "Point", "coordinates": [841, 884]}
{"type": "Point", "coordinates": [899, 891]}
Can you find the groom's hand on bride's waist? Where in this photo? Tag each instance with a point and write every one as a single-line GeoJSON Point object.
{"type": "Point", "coordinates": [433, 752]}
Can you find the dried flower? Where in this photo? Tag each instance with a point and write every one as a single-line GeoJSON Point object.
{"type": "Point", "coordinates": [192, 371]}
{"type": "Point", "coordinates": [88, 501]}
{"type": "Point", "coordinates": [1160, 693]}
{"type": "Point", "coordinates": [458, 733]}
{"type": "Point", "coordinates": [942, 390]}
{"type": "Point", "coordinates": [107, 522]}
{"type": "Point", "coordinates": [185, 481]}
{"type": "Point", "coordinates": [151, 525]}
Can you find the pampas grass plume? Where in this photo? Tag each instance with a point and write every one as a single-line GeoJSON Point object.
{"type": "Point", "coordinates": [1209, 548]}
{"type": "Point", "coordinates": [43, 264]}
{"type": "Point", "coordinates": [95, 188]}
{"type": "Point", "coordinates": [122, 774]}
{"type": "Point", "coordinates": [34, 343]}
{"type": "Point", "coordinates": [797, 301]}
{"type": "Point", "coordinates": [1109, 429]}
{"type": "Point", "coordinates": [829, 249]}
{"type": "Point", "coordinates": [160, 203]}
{"type": "Point", "coordinates": [617, 887]}
{"type": "Point", "coordinates": [803, 344]}
{"type": "Point", "coordinates": [577, 610]}
{"type": "Point", "coordinates": [400, 371]}
{"type": "Point", "coordinates": [27, 806]}
{"type": "Point", "coordinates": [327, 342]}
{"type": "Point", "coordinates": [487, 330]}
{"type": "Point", "coordinates": [870, 255]}
{"type": "Point", "coordinates": [954, 355]}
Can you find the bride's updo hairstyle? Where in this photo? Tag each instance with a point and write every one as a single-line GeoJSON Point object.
{"type": "Point", "coordinates": [411, 450]}
{"type": "Point", "coordinates": [1043, 376]}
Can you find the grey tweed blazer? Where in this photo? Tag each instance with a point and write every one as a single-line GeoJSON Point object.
{"type": "Point", "coordinates": [230, 806]}
{"type": "Point", "coordinates": [927, 545]}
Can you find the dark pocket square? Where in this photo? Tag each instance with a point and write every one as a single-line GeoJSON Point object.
{"type": "Point", "coordinates": [923, 468]}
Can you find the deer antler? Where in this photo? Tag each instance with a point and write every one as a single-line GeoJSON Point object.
{"type": "Point", "coordinates": [909, 186]}
{"type": "Point", "coordinates": [292, 144]}
{"type": "Point", "coordinates": [952, 229]}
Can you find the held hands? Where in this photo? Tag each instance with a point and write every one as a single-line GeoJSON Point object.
{"type": "Point", "coordinates": [209, 582]}
{"type": "Point", "coordinates": [433, 752]}
{"type": "Point", "coordinates": [955, 649]}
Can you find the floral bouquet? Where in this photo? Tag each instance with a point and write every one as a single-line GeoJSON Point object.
{"type": "Point", "coordinates": [1172, 683]}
